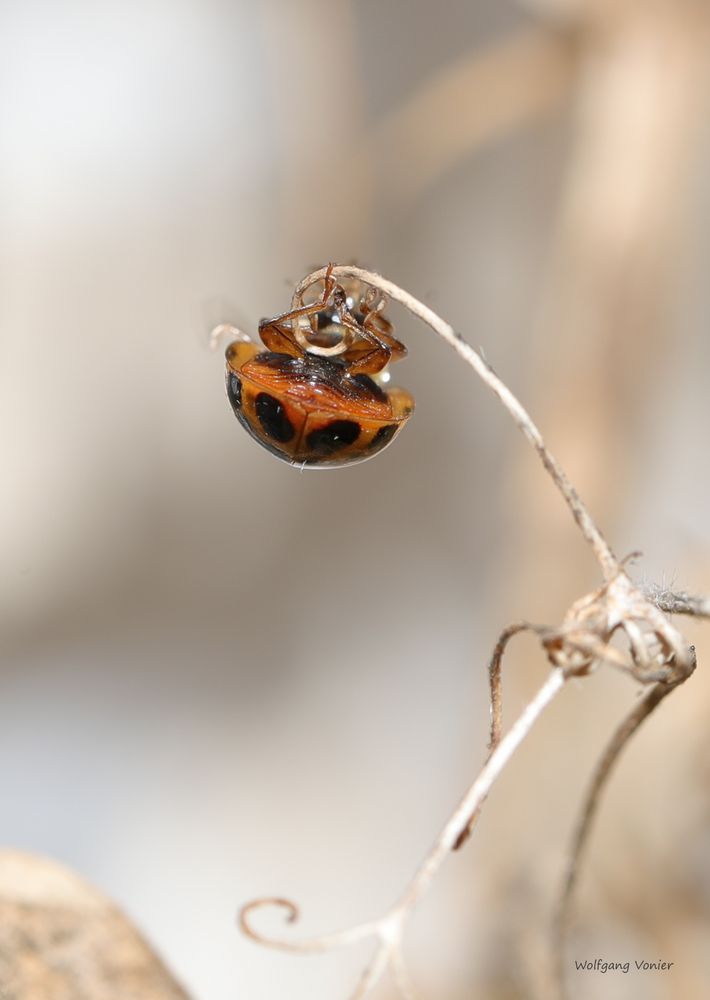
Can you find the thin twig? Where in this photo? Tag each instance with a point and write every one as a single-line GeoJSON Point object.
{"type": "Point", "coordinates": [494, 680]}
{"type": "Point", "coordinates": [478, 792]}
{"type": "Point", "coordinates": [601, 775]}
{"type": "Point", "coordinates": [389, 928]}
{"type": "Point", "coordinates": [592, 534]}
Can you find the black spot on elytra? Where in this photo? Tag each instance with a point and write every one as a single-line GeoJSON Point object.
{"type": "Point", "coordinates": [234, 391]}
{"type": "Point", "coordinates": [383, 437]}
{"type": "Point", "coordinates": [272, 417]}
{"type": "Point", "coordinates": [335, 435]}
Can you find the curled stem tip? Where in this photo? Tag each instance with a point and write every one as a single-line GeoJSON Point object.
{"type": "Point", "coordinates": [291, 915]}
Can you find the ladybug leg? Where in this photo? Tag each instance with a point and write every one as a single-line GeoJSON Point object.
{"type": "Point", "coordinates": [384, 333]}
{"type": "Point", "coordinates": [279, 334]}
{"type": "Point", "coordinates": [367, 359]}
{"type": "Point", "coordinates": [380, 346]}
{"type": "Point", "coordinates": [375, 321]}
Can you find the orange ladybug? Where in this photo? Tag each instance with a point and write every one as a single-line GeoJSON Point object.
{"type": "Point", "coordinates": [311, 398]}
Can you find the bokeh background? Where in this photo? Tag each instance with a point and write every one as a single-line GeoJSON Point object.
{"type": "Point", "coordinates": [222, 678]}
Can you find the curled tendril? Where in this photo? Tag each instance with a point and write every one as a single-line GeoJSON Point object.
{"type": "Point", "coordinates": [305, 945]}
{"type": "Point", "coordinates": [244, 918]}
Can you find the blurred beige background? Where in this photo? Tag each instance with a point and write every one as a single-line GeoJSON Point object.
{"type": "Point", "coordinates": [222, 678]}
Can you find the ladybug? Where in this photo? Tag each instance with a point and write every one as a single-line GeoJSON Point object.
{"type": "Point", "coordinates": [316, 397]}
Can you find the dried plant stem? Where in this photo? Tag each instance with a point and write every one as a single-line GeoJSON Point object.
{"type": "Point", "coordinates": [494, 679]}
{"type": "Point", "coordinates": [656, 652]}
{"type": "Point", "coordinates": [608, 561]}
{"type": "Point", "coordinates": [478, 792]}
{"type": "Point", "coordinates": [389, 928]}
{"type": "Point", "coordinates": [580, 838]}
